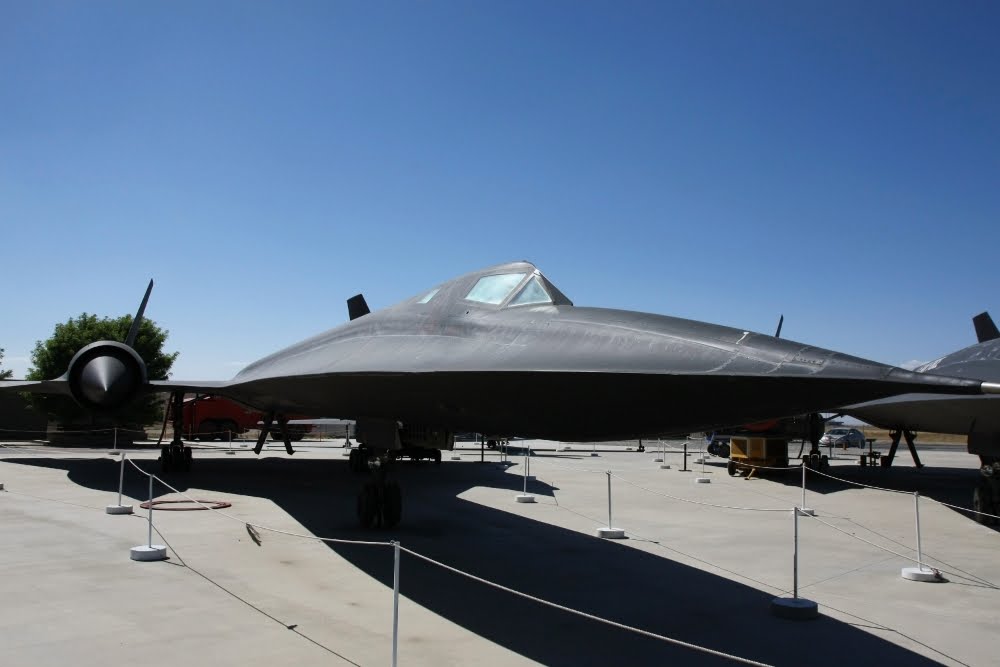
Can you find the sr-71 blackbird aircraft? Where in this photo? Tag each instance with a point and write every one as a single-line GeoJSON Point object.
{"type": "Point", "coordinates": [502, 350]}
{"type": "Point", "coordinates": [977, 417]}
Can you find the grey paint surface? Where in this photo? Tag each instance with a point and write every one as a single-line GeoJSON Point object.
{"type": "Point", "coordinates": [943, 414]}
{"type": "Point", "coordinates": [554, 370]}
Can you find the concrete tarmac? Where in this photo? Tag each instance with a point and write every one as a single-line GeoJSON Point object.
{"type": "Point", "coordinates": [701, 574]}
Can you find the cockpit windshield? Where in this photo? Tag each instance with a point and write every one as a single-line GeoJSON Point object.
{"type": "Point", "coordinates": [533, 292]}
{"type": "Point", "coordinates": [494, 289]}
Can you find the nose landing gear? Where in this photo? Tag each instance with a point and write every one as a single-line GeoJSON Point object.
{"type": "Point", "coordinates": [380, 501]}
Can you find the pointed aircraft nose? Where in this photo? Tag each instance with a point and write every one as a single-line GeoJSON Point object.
{"type": "Point", "coordinates": [105, 381]}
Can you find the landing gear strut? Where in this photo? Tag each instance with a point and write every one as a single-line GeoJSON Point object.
{"type": "Point", "coordinates": [814, 460]}
{"type": "Point", "coordinates": [176, 457]}
{"type": "Point", "coordinates": [380, 501]}
{"type": "Point", "coordinates": [986, 496]}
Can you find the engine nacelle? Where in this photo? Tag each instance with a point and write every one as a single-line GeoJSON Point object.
{"type": "Point", "coordinates": [105, 376]}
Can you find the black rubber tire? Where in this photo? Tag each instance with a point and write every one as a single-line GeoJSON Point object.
{"type": "Point", "coordinates": [165, 459]}
{"type": "Point", "coordinates": [437, 456]}
{"type": "Point", "coordinates": [368, 505]}
{"type": "Point", "coordinates": [731, 468]}
{"type": "Point", "coordinates": [392, 505]}
{"type": "Point", "coordinates": [187, 458]}
{"type": "Point", "coordinates": [724, 450]}
{"type": "Point", "coordinates": [982, 501]}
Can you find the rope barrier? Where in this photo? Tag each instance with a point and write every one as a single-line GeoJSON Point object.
{"type": "Point", "coordinates": [963, 509]}
{"type": "Point", "coordinates": [937, 571]}
{"type": "Point", "coordinates": [598, 619]}
{"type": "Point", "coordinates": [908, 493]}
{"type": "Point", "coordinates": [680, 643]}
{"type": "Point", "coordinates": [867, 486]}
{"type": "Point", "coordinates": [621, 626]}
{"type": "Point", "coordinates": [333, 540]}
{"type": "Point", "coordinates": [698, 502]}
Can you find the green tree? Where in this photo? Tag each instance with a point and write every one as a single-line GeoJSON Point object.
{"type": "Point", "coordinates": [4, 374]}
{"type": "Point", "coordinates": [51, 358]}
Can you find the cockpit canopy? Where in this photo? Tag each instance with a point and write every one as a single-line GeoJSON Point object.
{"type": "Point", "coordinates": [505, 286]}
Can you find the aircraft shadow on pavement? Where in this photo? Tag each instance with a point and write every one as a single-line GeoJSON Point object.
{"type": "Point", "coordinates": [604, 578]}
{"type": "Point", "coordinates": [944, 484]}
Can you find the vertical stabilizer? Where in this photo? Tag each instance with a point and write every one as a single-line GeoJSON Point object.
{"type": "Point", "coordinates": [357, 306]}
{"type": "Point", "coordinates": [985, 328]}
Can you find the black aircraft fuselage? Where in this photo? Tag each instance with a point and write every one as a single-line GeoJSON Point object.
{"type": "Point", "coordinates": [503, 351]}
{"type": "Point", "coordinates": [449, 359]}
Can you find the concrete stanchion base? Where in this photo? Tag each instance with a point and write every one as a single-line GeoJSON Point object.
{"type": "Point", "coordinates": [805, 511]}
{"type": "Point", "coordinates": [118, 509]}
{"type": "Point", "coordinates": [594, 454]}
{"type": "Point", "coordinates": [702, 480]}
{"type": "Point", "coordinates": [665, 466]}
{"type": "Point", "coordinates": [798, 609]}
{"type": "Point", "coordinates": [525, 498]}
{"type": "Point", "coordinates": [456, 458]}
{"type": "Point", "coordinates": [609, 533]}
{"type": "Point", "coordinates": [921, 574]}
{"type": "Point", "coordinates": [657, 460]}
{"type": "Point", "coordinates": [149, 552]}
{"type": "Point", "coordinates": [230, 453]}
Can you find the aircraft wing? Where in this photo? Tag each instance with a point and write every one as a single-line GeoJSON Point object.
{"type": "Point", "coordinates": [195, 387]}
{"type": "Point", "coordinates": [57, 386]}
{"type": "Point", "coordinates": [61, 386]}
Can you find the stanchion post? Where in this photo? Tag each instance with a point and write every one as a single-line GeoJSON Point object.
{"type": "Point", "coordinates": [119, 508]}
{"type": "Point", "coordinates": [149, 514]}
{"type": "Point", "coordinates": [795, 607]}
{"type": "Point", "coordinates": [527, 463]}
{"type": "Point", "coordinates": [805, 510]}
{"type": "Point", "coordinates": [395, 601]}
{"type": "Point", "coordinates": [121, 479]}
{"type": "Point", "coordinates": [149, 551]}
{"type": "Point", "coordinates": [116, 443]}
{"type": "Point", "coordinates": [795, 554]}
{"type": "Point", "coordinates": [610, 532]}
{"type": "Point", "coordinates": [526, 497]}
{"type": "Point", "coordinates": [685, 469]}
{"type": "Point", "coordinates": [920, 573]}
{"type": "Point", "coordinates": [609, 499]}
{"type": "Point", "coordinates": [803, 485]}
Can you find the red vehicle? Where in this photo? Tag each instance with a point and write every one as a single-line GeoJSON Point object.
{"type": "Point", "coordinates": [214, 418]}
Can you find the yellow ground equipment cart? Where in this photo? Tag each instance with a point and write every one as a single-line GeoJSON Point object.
{"type": "Point", "coordinates": [748, 453]}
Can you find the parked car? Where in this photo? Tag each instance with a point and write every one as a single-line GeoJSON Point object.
{"type": "Point", "coordinates": [843, 437]}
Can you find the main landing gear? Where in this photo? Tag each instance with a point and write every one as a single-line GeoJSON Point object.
{"type": "Point", "coordinates": [380, 501]}
{"type": "Point", "coordinates": [176, 457]}
{"type": "Point", "coordinates": [986, 495]}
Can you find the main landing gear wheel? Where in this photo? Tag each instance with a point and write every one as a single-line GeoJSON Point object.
{"type": "Point", "coordinates": [731, 468]}
{"type": "Point", "coordinates": [982, 501]}
{"type": "Point", "coordinates": [174, 458]}
{"type": "Point", "coordinates": [380, 504]}
{"type": "Point", "coordinates": [357, 461]}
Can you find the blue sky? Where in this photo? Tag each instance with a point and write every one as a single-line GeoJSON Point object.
{"type": "Point", "coordinates": [837, 162]}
